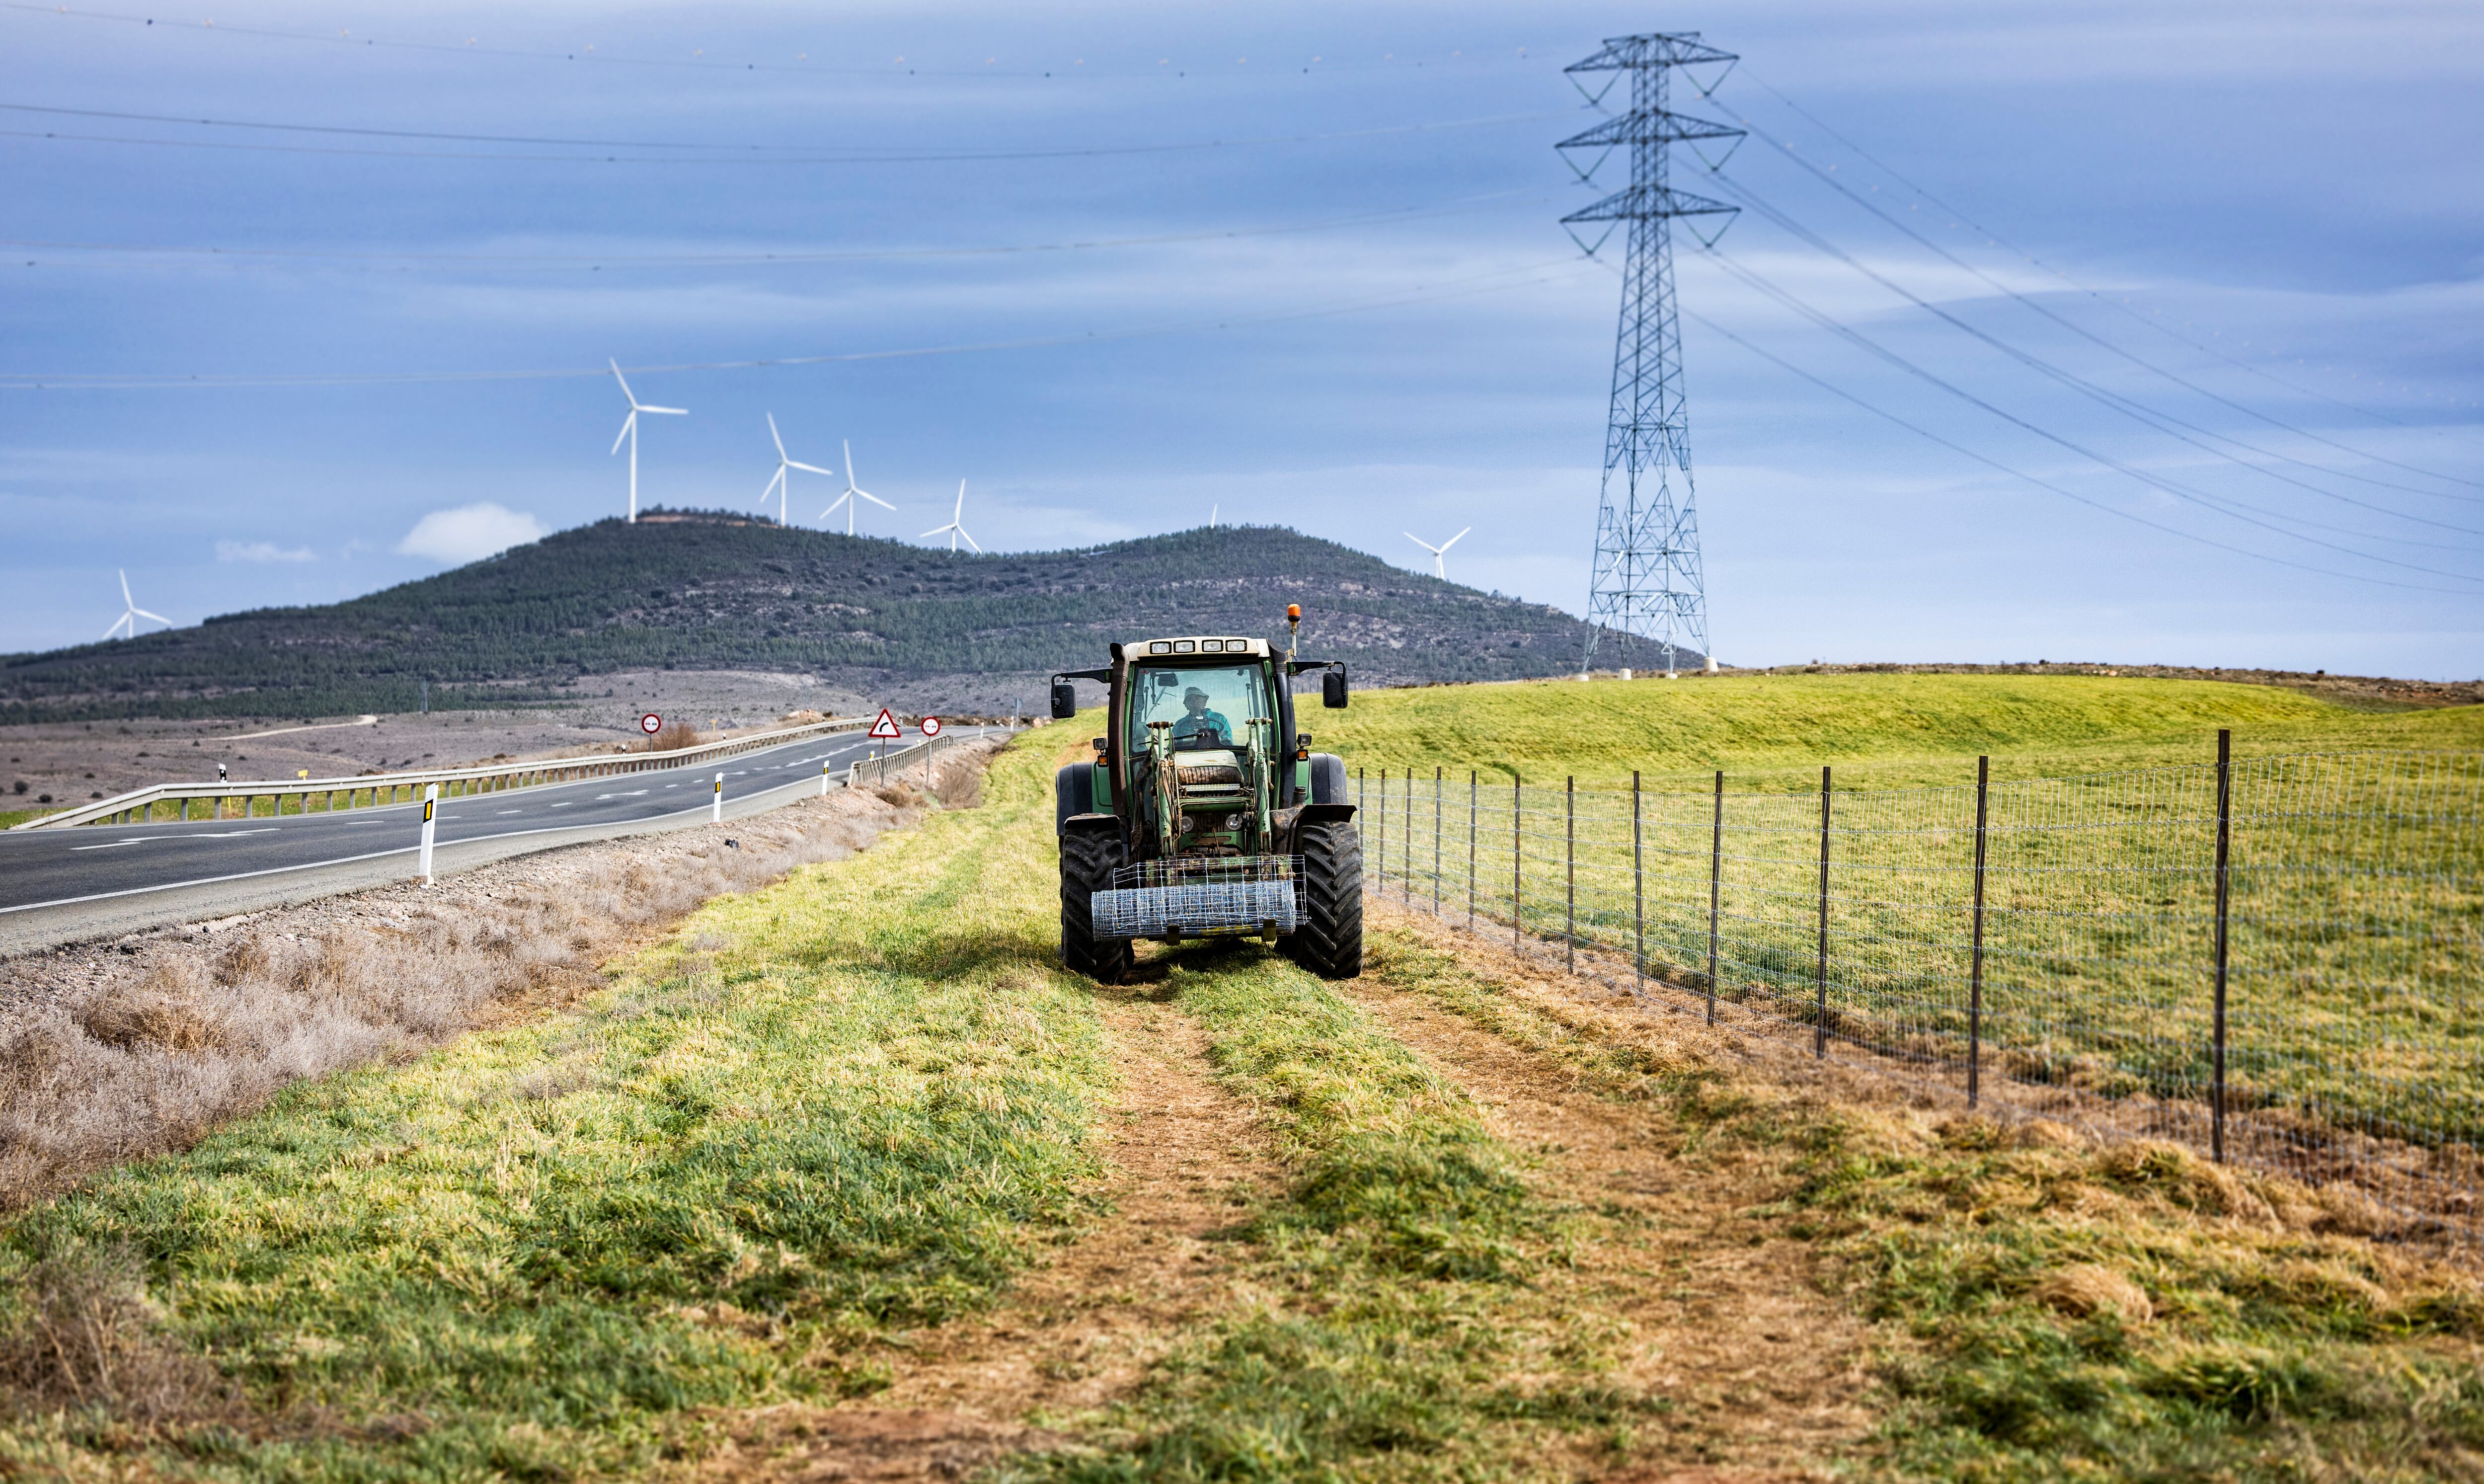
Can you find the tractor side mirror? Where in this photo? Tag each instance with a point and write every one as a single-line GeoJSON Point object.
{"type": "Point", "coordinates": [1333, 689]}
{"type": "Point", "coordinates": [1064, 700]}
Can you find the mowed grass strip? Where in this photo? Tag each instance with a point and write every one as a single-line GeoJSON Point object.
{"type": "Point", "coordinates": [854, 1101]}
{"type": "Point", "coordinates": [1879, 730]}
{"type": "Point", "coordinates": [1393, 1325]}
{"type": "Point", "coordinates": [2046, 1307]}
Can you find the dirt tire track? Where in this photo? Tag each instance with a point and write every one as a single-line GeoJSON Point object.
{"type": "Point", "coordinates": [1189, 1162]}
{"type": "Point", "coordinates": [1766, 1371]}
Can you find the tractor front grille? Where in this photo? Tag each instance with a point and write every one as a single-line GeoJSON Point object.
{"type": "Point", "coordinates": [1200, 898]}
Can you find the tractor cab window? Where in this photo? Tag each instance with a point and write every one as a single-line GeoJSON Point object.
{"type": "Point", "coordinates": [1207, 706]}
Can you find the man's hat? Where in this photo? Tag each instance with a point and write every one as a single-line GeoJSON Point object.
{"type": "Point", "coordinates": [1194, 691]}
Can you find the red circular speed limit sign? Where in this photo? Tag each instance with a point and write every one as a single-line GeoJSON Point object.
{"type": "Point", "coordinates": [651, 724]}
{"type": "Point", "coordinates": [930, 726]}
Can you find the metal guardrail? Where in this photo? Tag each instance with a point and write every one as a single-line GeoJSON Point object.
{"type": "Point", "coordinates": [384, 789]}
{"type": "Point", "coordinates": [877, 771]}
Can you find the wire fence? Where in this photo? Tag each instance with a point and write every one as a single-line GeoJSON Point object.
{"type": "Point", "coordinates": [2273, 959]}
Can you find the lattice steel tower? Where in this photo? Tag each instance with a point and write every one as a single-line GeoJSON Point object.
{"type": "Point", "coordinates": [1647, 580]}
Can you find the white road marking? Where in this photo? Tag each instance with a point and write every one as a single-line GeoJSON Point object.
{"type": "Point", "coordinates": [564, 803]}
{"type": "Point", "coordinates": [111, 845]}
{"type": "Point", "coordinates": [508, 811]}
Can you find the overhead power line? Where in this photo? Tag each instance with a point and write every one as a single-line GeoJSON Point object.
{"type": "Point", "coordinates": [2036, 305]}
{"type": "Point", "coordinates": [658, 260]}
{"type": "Point", "coordinates": [734, 153]}
{"type": "Point", "coordinates": [2115, 511]}
{"type": "Point", "coordinates": [885, 157]}
{"type": "Point", "coordinates": [802, 65]}
{"type": "Point", "coordinates": [2100, 297]}
{"type": "Point", "coordinates": [2162, 422]}
{"type": "Point", "coordinates": [2233, 509]}
{"type": "Point", "coordinates": [1453, 288]}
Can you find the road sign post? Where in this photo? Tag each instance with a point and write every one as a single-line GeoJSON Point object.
{"type": "Point", "coordinates": [430, 807]}
{"type": "Point", "coordinates": [651, 724]}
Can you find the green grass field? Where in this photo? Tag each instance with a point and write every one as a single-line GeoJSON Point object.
{"type": "Point", "coordinates": [862, 1099]}
{"type": "Point", "coordinates": [1878, 730]}
{"type": "Point", "coordinates": [2354, 894]}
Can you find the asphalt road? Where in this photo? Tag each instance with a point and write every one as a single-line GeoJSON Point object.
{"type": "Point", "coordinates": [91, 863]}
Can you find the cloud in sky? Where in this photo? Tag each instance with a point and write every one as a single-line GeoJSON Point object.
{"type": "Point", "coordinates": [470, 533]}
{"type": "Point", "coordinates": [262, 551]}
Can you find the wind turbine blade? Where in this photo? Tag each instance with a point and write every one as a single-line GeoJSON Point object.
{"type": "Point", "coordinates": [810, 468]}
{"type": "Point", "coordinates": [849, 442]}
{"type": "Point", "coordinates": [960, 513]}
{"type": "Point", "coordinates": [116, 627]}
{"type": "Point", "coordinates": [934, 531]}
{"type": "Point", "coordinates": [773, 480]}
{"type": "Point", "coordinates": [678, 411]}
{"type": "Point", "coordinates": [1455, 540]}
{"type": "Point", "coordinates": [970, 541]}
{"type": "Point", "coordinates": [1425, 545]}
{"type": "Point", "coordinates": [779, 437]}
{"type": "Point", "coordinates": [143, 613]}
{"type": "Point", "coordinates": [627, 423]}
{"type": "Point", "coordinates": [874, 499]}
{"type": "Point", "coordinates": [623, 380]}
{"type": "Point", "coordinates": [126, 601]}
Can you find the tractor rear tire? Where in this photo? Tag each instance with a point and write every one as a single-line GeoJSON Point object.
{"type": "Point", "coordinates": [1329, 942]}
{"type": "Point", "coordinates": [1088, 861]}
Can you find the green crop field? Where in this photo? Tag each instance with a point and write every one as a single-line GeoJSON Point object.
{"type": "Point", "coordinates": [2355, 899]}
{"type": "Point", "coordinates": [823, 1116]}
{"type": "Point", "coordinates": [1878, 730]}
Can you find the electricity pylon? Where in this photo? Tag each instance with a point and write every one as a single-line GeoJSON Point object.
{"type": "Point", "coordinates": [1647, 580]}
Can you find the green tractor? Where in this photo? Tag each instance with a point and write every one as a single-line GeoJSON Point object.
{"type": "Point", "coordinates": [1204, 813]}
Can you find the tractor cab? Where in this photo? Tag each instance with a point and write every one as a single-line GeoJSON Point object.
{"type": "Point", "coordinates": [1203, 808]}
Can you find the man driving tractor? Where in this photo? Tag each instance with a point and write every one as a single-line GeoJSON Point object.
{"type": "Point", "coordinates": [1196, 720]}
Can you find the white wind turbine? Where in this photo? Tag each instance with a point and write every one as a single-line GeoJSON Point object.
{"type": "Point", "coordinates": [956, 526]}
{"type": "Point", "coordinates": [853, 495]}
{"type": "Point", "coordinates": [1439, 553]}
{"type": "Point", "coordinates": [630, 431]}
{"type": "Point", "coordinates": [131, 612]}
{"type": "Point", "coordinates": [783, 482]}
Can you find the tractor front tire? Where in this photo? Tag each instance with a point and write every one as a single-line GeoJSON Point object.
{"type": "Point", "coordinates": [1329, 942]}
{"type": "Point", "coordinates": [1088, 861]}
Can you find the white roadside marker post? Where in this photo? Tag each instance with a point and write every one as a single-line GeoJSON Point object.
{"type": "Point", "coordinates": [430, 807]}
{"type": "Point", "coordinates": [717, 816]}
{"type": "Point", "coordinates": [823, 779]}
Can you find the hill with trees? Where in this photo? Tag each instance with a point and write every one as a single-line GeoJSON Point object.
{"type": "Point", "coordinates": [694, 590]}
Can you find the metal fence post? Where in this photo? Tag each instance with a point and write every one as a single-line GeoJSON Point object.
{"type": "Point", "coordinates": [1516, 858]}
{"type": "Point", "coordinates": [1975, 959]}
{"type": "Point", "coordinates": [1639, 895]}
{"type": "Point", "coordinates": [1438, 773]}
{"type": "Point", "coordinates": [1474, 798]}
{"type": "Point", "coordinates": [2224, 836]}
{"type": "Point", "coordinates": [1408, 853]}
{"type": "Point", "coordinates": [1383, 823]}
{"type": "Point", "coordinates": [1570, 870]}
{"type": "Point", "coordinates": [1820, 1024]}
{"type": "Point", "coordinates": [1716, 875]}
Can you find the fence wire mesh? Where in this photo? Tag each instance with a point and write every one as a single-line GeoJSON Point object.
{"type": "Point", "coordinates": [2274, 959]}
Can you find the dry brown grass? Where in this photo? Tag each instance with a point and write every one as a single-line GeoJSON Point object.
{"type": "Point", "coordinates": [151, 1054]}
{"type": "Point", "coordinates": [87, 1338]}
{"type": "Point", "coordinates": [675, 736]}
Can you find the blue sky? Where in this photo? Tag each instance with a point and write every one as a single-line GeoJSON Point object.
{"type": "Point", "coordinates": [1299, 263]}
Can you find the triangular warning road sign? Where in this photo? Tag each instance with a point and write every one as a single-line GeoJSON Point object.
{"type": "Point", "coordinates": [886, 726]}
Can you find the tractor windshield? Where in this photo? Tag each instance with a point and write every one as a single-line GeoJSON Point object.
{"type": "Point", "coordinates": [1207, 706]}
